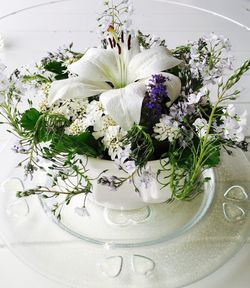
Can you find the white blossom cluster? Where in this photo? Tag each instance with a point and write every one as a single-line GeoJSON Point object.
{"type": "Point", "coordinates": [72, 109]}
{"type": "Point", "coordinates": [233, 124]}
{"type": "Point", "coordinates": [92, 115]}
{"type": "Point", "coordinates": [210, 60]}
{"type": "Point", "coordinates": [167, 128]}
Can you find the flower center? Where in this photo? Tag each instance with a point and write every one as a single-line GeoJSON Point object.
{"type": "Point", "coordinates": [122, 49]}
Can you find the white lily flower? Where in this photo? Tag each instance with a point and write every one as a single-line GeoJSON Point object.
{"type": "Point", "coordinates": [119, 75]}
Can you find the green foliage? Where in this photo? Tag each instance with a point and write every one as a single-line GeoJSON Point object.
{"type": "Point", "coordinates": [37, 77]}
{"type": "Point", "coordinates": [83, 144]}
{"type": "Point", "coordinates": [29, 119]}
{"type": "Point", "coordinates": [235, 77]}
{"type": "Point", "coordinates": [142, 147]}
{"type": "Point", "coordinates": [212, 155]}
{"type": "Point", "coordinates": [58, 68]}
{"type": "Point", "coordinates": [146, 40]}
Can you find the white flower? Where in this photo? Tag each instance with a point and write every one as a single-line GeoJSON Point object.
{"type": "Point", "coordinates": [129, 167]}
{"type": "Point", "coordinates": [230, 111]}
{"type": "Point", "coordinates": [233, 125]}
{"type": "Point", "coordinates": [43, 106]}
{"type": "Point", "coordinates": [77, 127]}
{"type": "Point", "coordinates": [195, 98]}
{"type": "Point", "coordinates": [112, 140]}
{"type": "Point", "coordinates": [146, 176]}
{"type": "Point", "coordinates": [122, 160]}
{"type": "Point", "coordinates": [94, 112]}
{"type": "Point", "coordinates": [167, 129]}
{"type": "Point", "coordinates": [102, 125]}
{"type": "Point", "coordinates": [201, 59]}
{"type": "Point", "coordinates": [71, 109]}
{"type": "Point", "coordinates": [201, 127]}
{"type": "Point", "coordinates": [123, 66]}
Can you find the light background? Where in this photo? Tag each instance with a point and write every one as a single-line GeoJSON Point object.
{"type": "Point", "coordinates": [41, 29]}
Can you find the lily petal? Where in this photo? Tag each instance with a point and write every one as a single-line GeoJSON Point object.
{"type": "Point", "coordinates": [128, 54]}
{"type": "Point", "coordinates": [173, 84]}
{"type": "Point", "coordinates": [151, 61]}
{"type": "Point", "coordinates": [97, 63]}
{"type": "Point", "coordinates": [124, 105]}
{"type": "Point", "coordinates": [75, 88]}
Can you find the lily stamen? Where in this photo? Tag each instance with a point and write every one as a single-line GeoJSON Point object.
{"type": "Point", "coordinates": [119, 49]}
{"type": "Point", "coordinates": [122, 37]}
{"type": "Point", "coordinates": [129, 41]}
{"type": "Point", "coordinates": [110, 43]}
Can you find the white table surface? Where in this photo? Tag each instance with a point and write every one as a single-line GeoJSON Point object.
{"type": "Point", "coordinates": [13, 274]}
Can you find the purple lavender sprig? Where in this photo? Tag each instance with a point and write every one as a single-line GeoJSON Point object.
{"type": "Point", "coordinates": [154, 104]}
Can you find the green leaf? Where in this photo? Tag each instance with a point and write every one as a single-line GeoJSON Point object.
{"type": "Point", "coordinates": [83, 144]}
{"type": "Point", "coordinates": [30, 118]}
{"type": "Point", "coordinates": [58, 68]}
{"type": "Point", "coordinates": [213, 157]}
{"type": "Point", "coordinates": [40, 78]}
{"type": "Point", "coordinates": [62, 76]}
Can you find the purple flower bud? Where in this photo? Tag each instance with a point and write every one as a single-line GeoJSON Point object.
{"type": "Point", "coordinates": [154, 104]}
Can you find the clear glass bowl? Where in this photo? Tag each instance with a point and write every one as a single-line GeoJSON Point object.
{"type": "Point", "coordinates": [125, 250]}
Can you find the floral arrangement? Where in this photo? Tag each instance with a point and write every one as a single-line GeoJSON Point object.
{"type": "Point", "coordinates": [131, 100]}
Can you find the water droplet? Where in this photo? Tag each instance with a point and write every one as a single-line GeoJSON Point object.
{"type": "Point", "coordinates": [233, 213]}
{"type": "Point", "coordinates": [142, 265]}
{"type": "Point", "coordinates": [111, 266]}
{"type": "Point", "coordinates": [236, 193]}
{"type": "Point", "coordinates": [18, 208]}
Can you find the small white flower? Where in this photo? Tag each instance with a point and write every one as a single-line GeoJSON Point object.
{"type": "Point", "coordinates": [43, 106]}
{"type": "Point", "coordinates": [195, 98]}
{"type": "Point", "coordinates": [201, 127]}
{"type": "Point", "coordinates": [122, 161]}
{"type": "Point", "coordinates": [146, 177]}
{"type": "Point", "coordinates": [230, 111]}
{"type": "Point", "coordinates": [113, 140]}
{"type": "Point", "coordinates": [167, 129]}
{"type": "Point", "coordinates": [129, 167]}
{"type": "Point", "coordinates": [124, 153]}
{"type": "Point", "coordinates": [77, 127]}
{"type": "Point", "coordinates": [71, 109]}
{"type": "Point", "coordinates": [102, 125]}
{"type": "Point", "coordinates": [233, 125]}
{"type": "Point", "coordinates": [94, 112]}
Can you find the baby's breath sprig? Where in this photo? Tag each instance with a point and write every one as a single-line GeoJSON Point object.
{"type": "Point", "coordinates": [116, 14]}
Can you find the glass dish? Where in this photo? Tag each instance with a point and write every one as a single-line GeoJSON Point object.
{"type": "Point", "coordinates": [206, 234]}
